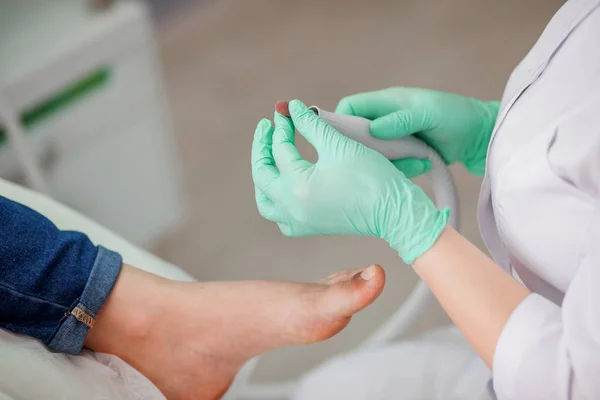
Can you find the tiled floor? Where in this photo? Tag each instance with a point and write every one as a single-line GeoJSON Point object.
{"type": "Point", "coordinates": [227, 62]}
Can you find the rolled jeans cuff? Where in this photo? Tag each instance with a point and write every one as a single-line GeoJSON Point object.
{"type": "Point", "coordinates": [73, 327]}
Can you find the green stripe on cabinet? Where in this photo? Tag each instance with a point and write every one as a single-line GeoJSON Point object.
{"type": "Point", "coordinates": [63, 99]}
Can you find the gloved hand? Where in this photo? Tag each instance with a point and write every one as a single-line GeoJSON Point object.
{"type": "Point", "coordinates": [458, 128]}
{"type": "Point", "coordinates": [351, 190]}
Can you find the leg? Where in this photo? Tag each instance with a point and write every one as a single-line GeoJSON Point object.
{"type": "Point", "coordinates": [438, 366]}
{"type": "Point", "coordinates": [188, 338]}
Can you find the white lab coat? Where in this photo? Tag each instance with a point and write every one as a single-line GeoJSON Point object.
{"type": "Point", "coordinates": [539, 211]}
{"type": "Point", "coordinates": [539, 215]}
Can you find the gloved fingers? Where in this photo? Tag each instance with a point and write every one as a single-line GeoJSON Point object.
{"type": "Point", "coordinates": [402, 123]}
{"type": "Point", "coordinates": [319, 133]}
{"type": "Point", "coordinates": [264, 172]}
{"type": "Point", "coordinates": [412, 167]}
{"type": "Point", "coordinates": [285, 229]}
{"type": "Point", "coordinates": [370, 105]}
{"type": "Point", "coordinates": [285, 152]}
{"type": "Point", "coordinates": [266, 208]}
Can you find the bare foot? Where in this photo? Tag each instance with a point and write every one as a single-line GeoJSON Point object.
{"type": "Point", "coordinates": [190, 339]}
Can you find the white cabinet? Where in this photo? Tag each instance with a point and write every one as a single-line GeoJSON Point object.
{"type": "Point", "coordinates": [88, 85]}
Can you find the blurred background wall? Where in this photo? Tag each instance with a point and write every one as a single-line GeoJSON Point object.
{"type": "Point", "coordinates": [222, 65]}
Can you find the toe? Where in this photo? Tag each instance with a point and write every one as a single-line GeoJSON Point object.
{"type": "Point", "coordinates": [345, 297]}
{"type": "Point", "coordinates": [340, 276]}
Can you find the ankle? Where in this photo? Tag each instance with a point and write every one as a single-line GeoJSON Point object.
{"type": "Point", "coordinates": [129, 314]}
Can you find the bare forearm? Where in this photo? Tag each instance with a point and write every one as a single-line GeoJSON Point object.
{"type": "Point", "coordinates": [477, 294]}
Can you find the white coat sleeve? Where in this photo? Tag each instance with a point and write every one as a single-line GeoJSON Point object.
{"type": "Point", "coordinates": [551, 352]}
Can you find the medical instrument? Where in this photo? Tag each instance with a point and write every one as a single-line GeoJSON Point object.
{"type": "Point", "coordinates": [445, 194]}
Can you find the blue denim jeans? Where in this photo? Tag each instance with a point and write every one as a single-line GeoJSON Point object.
{"type": "Point", "coordinates": [52, 282]}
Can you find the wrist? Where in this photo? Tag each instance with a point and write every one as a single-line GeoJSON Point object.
{"type": "Point", "coordinates": [428, 223]}
{"type": "Point", "coordinates": [475, 156]}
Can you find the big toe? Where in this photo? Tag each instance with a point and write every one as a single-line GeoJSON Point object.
{"type": "Point", "coordinates": [351, 291]}
{"type": "Point", "coordinates": [332, 305]}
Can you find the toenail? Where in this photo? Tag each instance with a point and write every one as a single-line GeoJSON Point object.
{"type": "Point", "coordinates": [368, 273]}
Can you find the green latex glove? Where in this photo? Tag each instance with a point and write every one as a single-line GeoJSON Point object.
{"type": "Point", "coordinates": [351, 190]}
{"type": "Point", "coordinates": [458, 128]}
